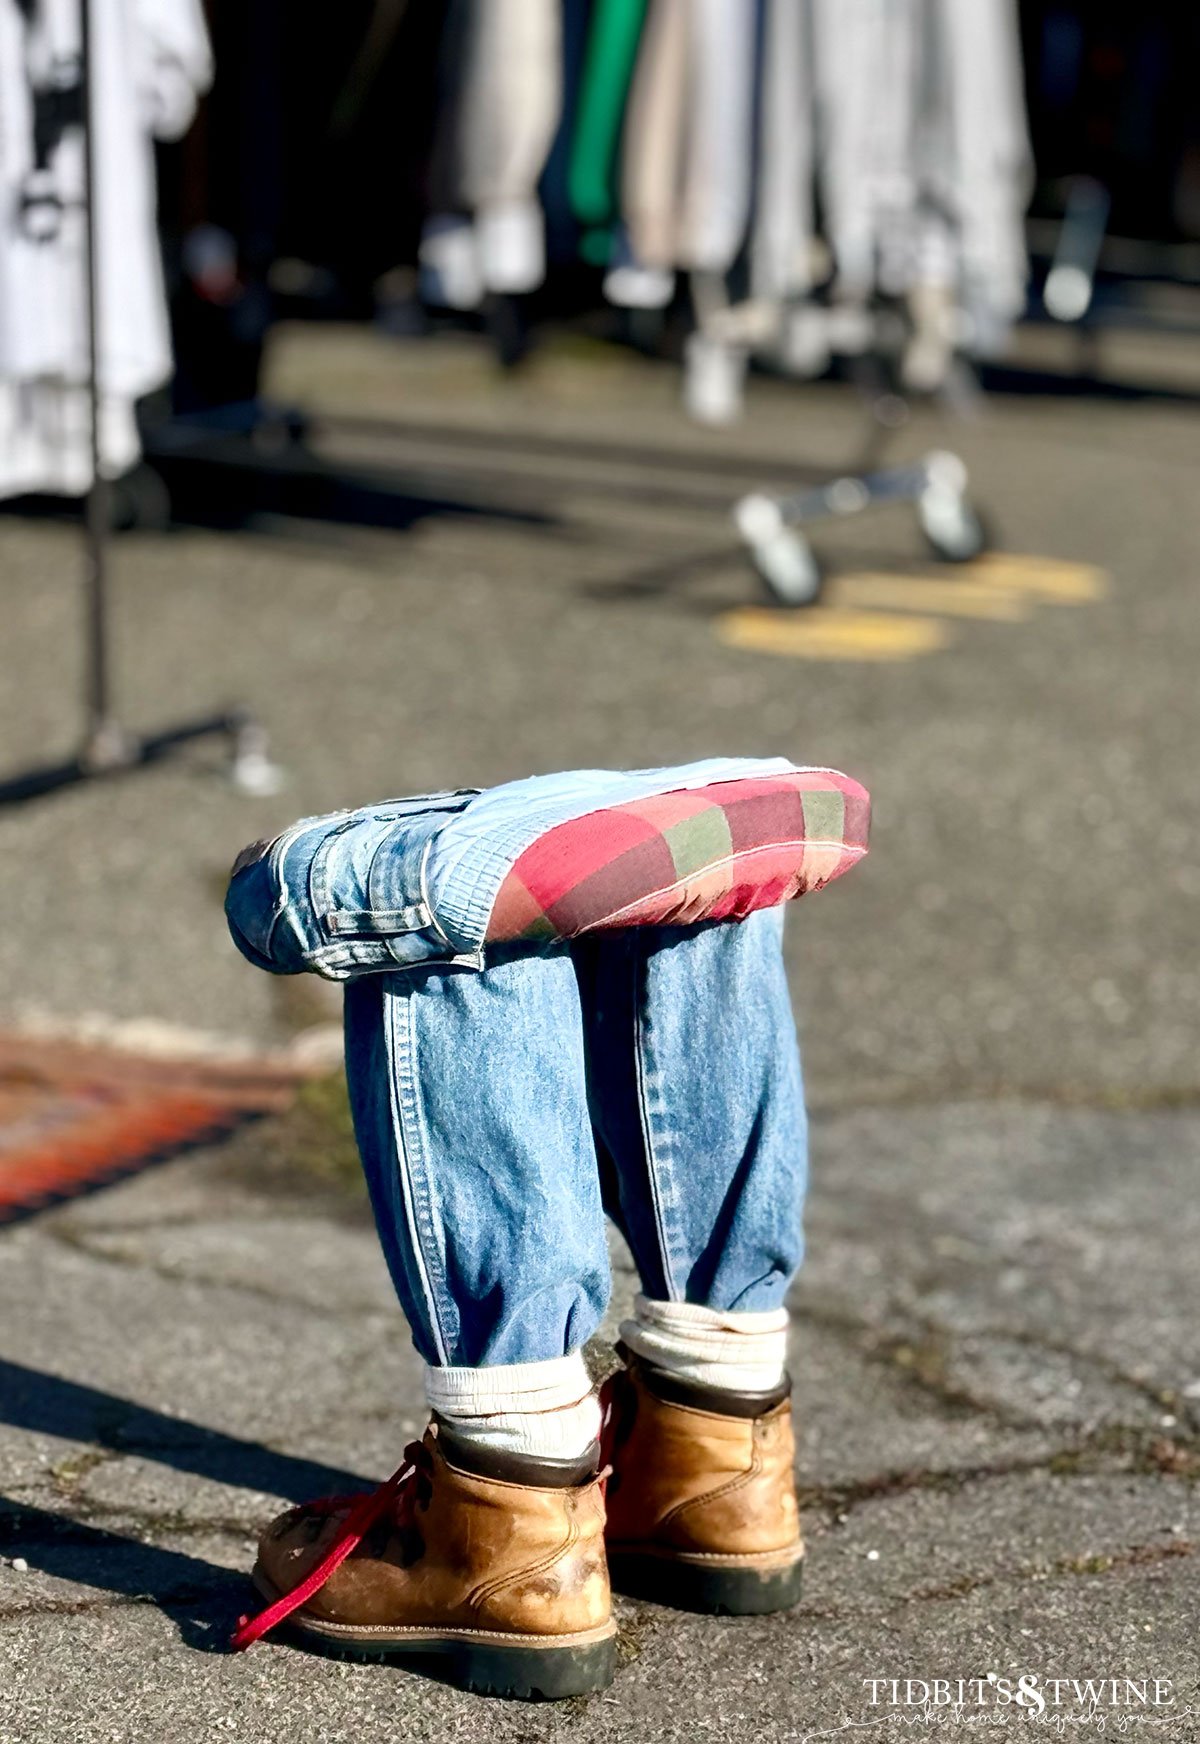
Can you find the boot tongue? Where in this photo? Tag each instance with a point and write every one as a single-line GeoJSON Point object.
{"type": "Point", "coordinates": [516, 1468]}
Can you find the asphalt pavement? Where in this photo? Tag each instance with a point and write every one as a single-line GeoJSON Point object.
{"type": "Point", "coordinates": [462, 579]}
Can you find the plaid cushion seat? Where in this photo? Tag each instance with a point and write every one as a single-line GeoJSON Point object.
{"type": "Point", "coordinates": [716, 852]}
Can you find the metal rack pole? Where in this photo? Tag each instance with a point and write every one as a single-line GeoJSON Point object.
{"type": "Point", "coordinates": [104, 743]}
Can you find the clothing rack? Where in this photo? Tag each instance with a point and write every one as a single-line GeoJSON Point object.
{"type": "Point", "coordinates": [108, 747]}
{"type": "Point", "coordinates": [774, 528]}
{"type": "Point", "coordinates": [771, 527]}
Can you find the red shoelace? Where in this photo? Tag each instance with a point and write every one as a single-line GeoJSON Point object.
{"type": "Point", "coordinates": [397, 1496]}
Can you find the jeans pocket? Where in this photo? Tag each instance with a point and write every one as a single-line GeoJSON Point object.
{"type": "Point", "coordinates": [308, 901]}
{"type": "Point", "coordinates": [367, 876]}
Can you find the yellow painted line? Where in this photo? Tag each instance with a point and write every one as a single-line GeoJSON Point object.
{"type": "Point", "coordinates": [1048, 578]}
{"type": "Point", "coordinates": [816, 634]}
{"type": "Point", "coordinates": [951, 596]}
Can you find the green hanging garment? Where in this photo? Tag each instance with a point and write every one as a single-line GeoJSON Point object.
{"type": "Point", "coordinates": [612, 46]}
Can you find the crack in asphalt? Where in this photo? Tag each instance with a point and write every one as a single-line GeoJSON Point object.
{"type": "Point", "coordinates": [78, 1242]}
{"type": "Point", "coordinates": [1081, 1566]}
{"type": "Point", "coordinates": [839, 1100]}
{"type": "Point", "coordinates": [1090, 1566]}
{"type": "Point", "coordinates": [919, 1350]}
{"type": "Point", "coordinates": [169, 1522]}
{"type": "Point", "coordinates": [1115, 1450]}
{"type": "Point", "coordinates": [167, 1600]}
{"type": "Point", "coordinates": [1085, 1566]}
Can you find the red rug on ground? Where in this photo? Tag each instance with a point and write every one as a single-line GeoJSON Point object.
{"type": "Point", "coordinates": [73, 1119]}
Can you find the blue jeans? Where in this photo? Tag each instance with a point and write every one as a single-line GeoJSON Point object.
{"type": "Point", "coordinates": [651, 1074]}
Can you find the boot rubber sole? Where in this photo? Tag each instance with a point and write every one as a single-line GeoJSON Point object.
{"type": "Point", "coordinates": [731, 1586]}
{"type": "Point", "coordinates": [486, 1661]}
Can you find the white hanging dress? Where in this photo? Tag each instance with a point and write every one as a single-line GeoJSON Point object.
{"type": "Point", "coordinates": [150, 61]}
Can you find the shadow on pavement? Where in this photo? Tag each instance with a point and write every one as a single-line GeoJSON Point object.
{"type": "Point", "coordinates": [46, 1405]}
{"type": "Point", "coordinates": [220, 487]}
{"type": "Point", "coordinates": [225, 483]}
{"type": "Point", "coordinates": [73, 1550]}
{"type": "Point", "coordinates": [207, 1595]}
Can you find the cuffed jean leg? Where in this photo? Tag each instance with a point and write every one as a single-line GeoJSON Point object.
{"type": "Point", "coordinates": [470, 1108]}
{"type": "Point", "coordinates": [696, 1094]}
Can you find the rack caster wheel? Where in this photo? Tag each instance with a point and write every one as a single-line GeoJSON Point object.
{"type": "Point", "coordinates": [782, 557]}
{"type": "Point", "coordinates": [949, 520]}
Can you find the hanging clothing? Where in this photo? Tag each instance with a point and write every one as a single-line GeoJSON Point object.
{"type": "Point", "coordinates": [866, 58]}
{"type": "Point", "coordinates": [612, 48]}
{"type": "Point", "coordinates": [150, 61]}
{"type": "Point", "coordinates": [448, 258]}
{"type": "Point", "coordinates": [562, 229]}
{"type": "Point", "coordinates": [781, 241]}
{"type": "Point", "coordinates": [700, 133]}
{"type": "Point", "coordinates": [716, 192]}
{"type": "Point", "coordinates": [688, 140]}
{"type": "Point", "coordinates": [687, 146]}
{"type": "Point", "coordinates": [925, 159]}
{"type": "Point", "coordinates": [502, 96]}
{"type": "Point", "coordinates": [654, 145]}
{"type": "Point", "coordinates": [992, 156]}
{"type": "Point", "coordinates": [512, 98]}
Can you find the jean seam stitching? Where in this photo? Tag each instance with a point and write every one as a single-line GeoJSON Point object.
{"type": "Point", "coordinates": [652, 1164]}
{"type": "Point", "coordinates": [284, 908]}
{"type": "Point", "coordinates": [435, 919]}
{"type": "Point", "coordinates": [416, 1209]}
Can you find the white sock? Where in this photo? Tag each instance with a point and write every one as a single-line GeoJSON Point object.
{"type": "Point", "coordinates": [742, 1352]}
{"type": "Point", "coordinates": [546, 1409]}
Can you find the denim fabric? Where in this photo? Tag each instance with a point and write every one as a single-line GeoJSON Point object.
{"type": "Point", "coordinates": [652, 1073]}
{"type": "Point", "coordinates": [414, 881]}
{"type": "Point", "coordinates": [344, 895]}
{"type": "Point", "coordinates": [696, 1097]}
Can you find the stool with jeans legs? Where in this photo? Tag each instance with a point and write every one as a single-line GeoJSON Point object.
{"type": "Point", "coordinates": [508, 1094]}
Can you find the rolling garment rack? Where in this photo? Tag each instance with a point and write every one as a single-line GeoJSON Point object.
{"type": "Point", "coordinates": [774, 528]}
{"type": "Point", "coordinates": [108, 747]}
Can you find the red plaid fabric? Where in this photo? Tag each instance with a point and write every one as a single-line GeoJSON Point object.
{"type": "Point", "coordinates": [707, 853]}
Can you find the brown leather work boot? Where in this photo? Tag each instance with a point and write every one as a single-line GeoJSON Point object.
{"type": "Point", "coordinates": [702, 1500]}
{"type": "Point", "coordinates": [490, 1565]}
